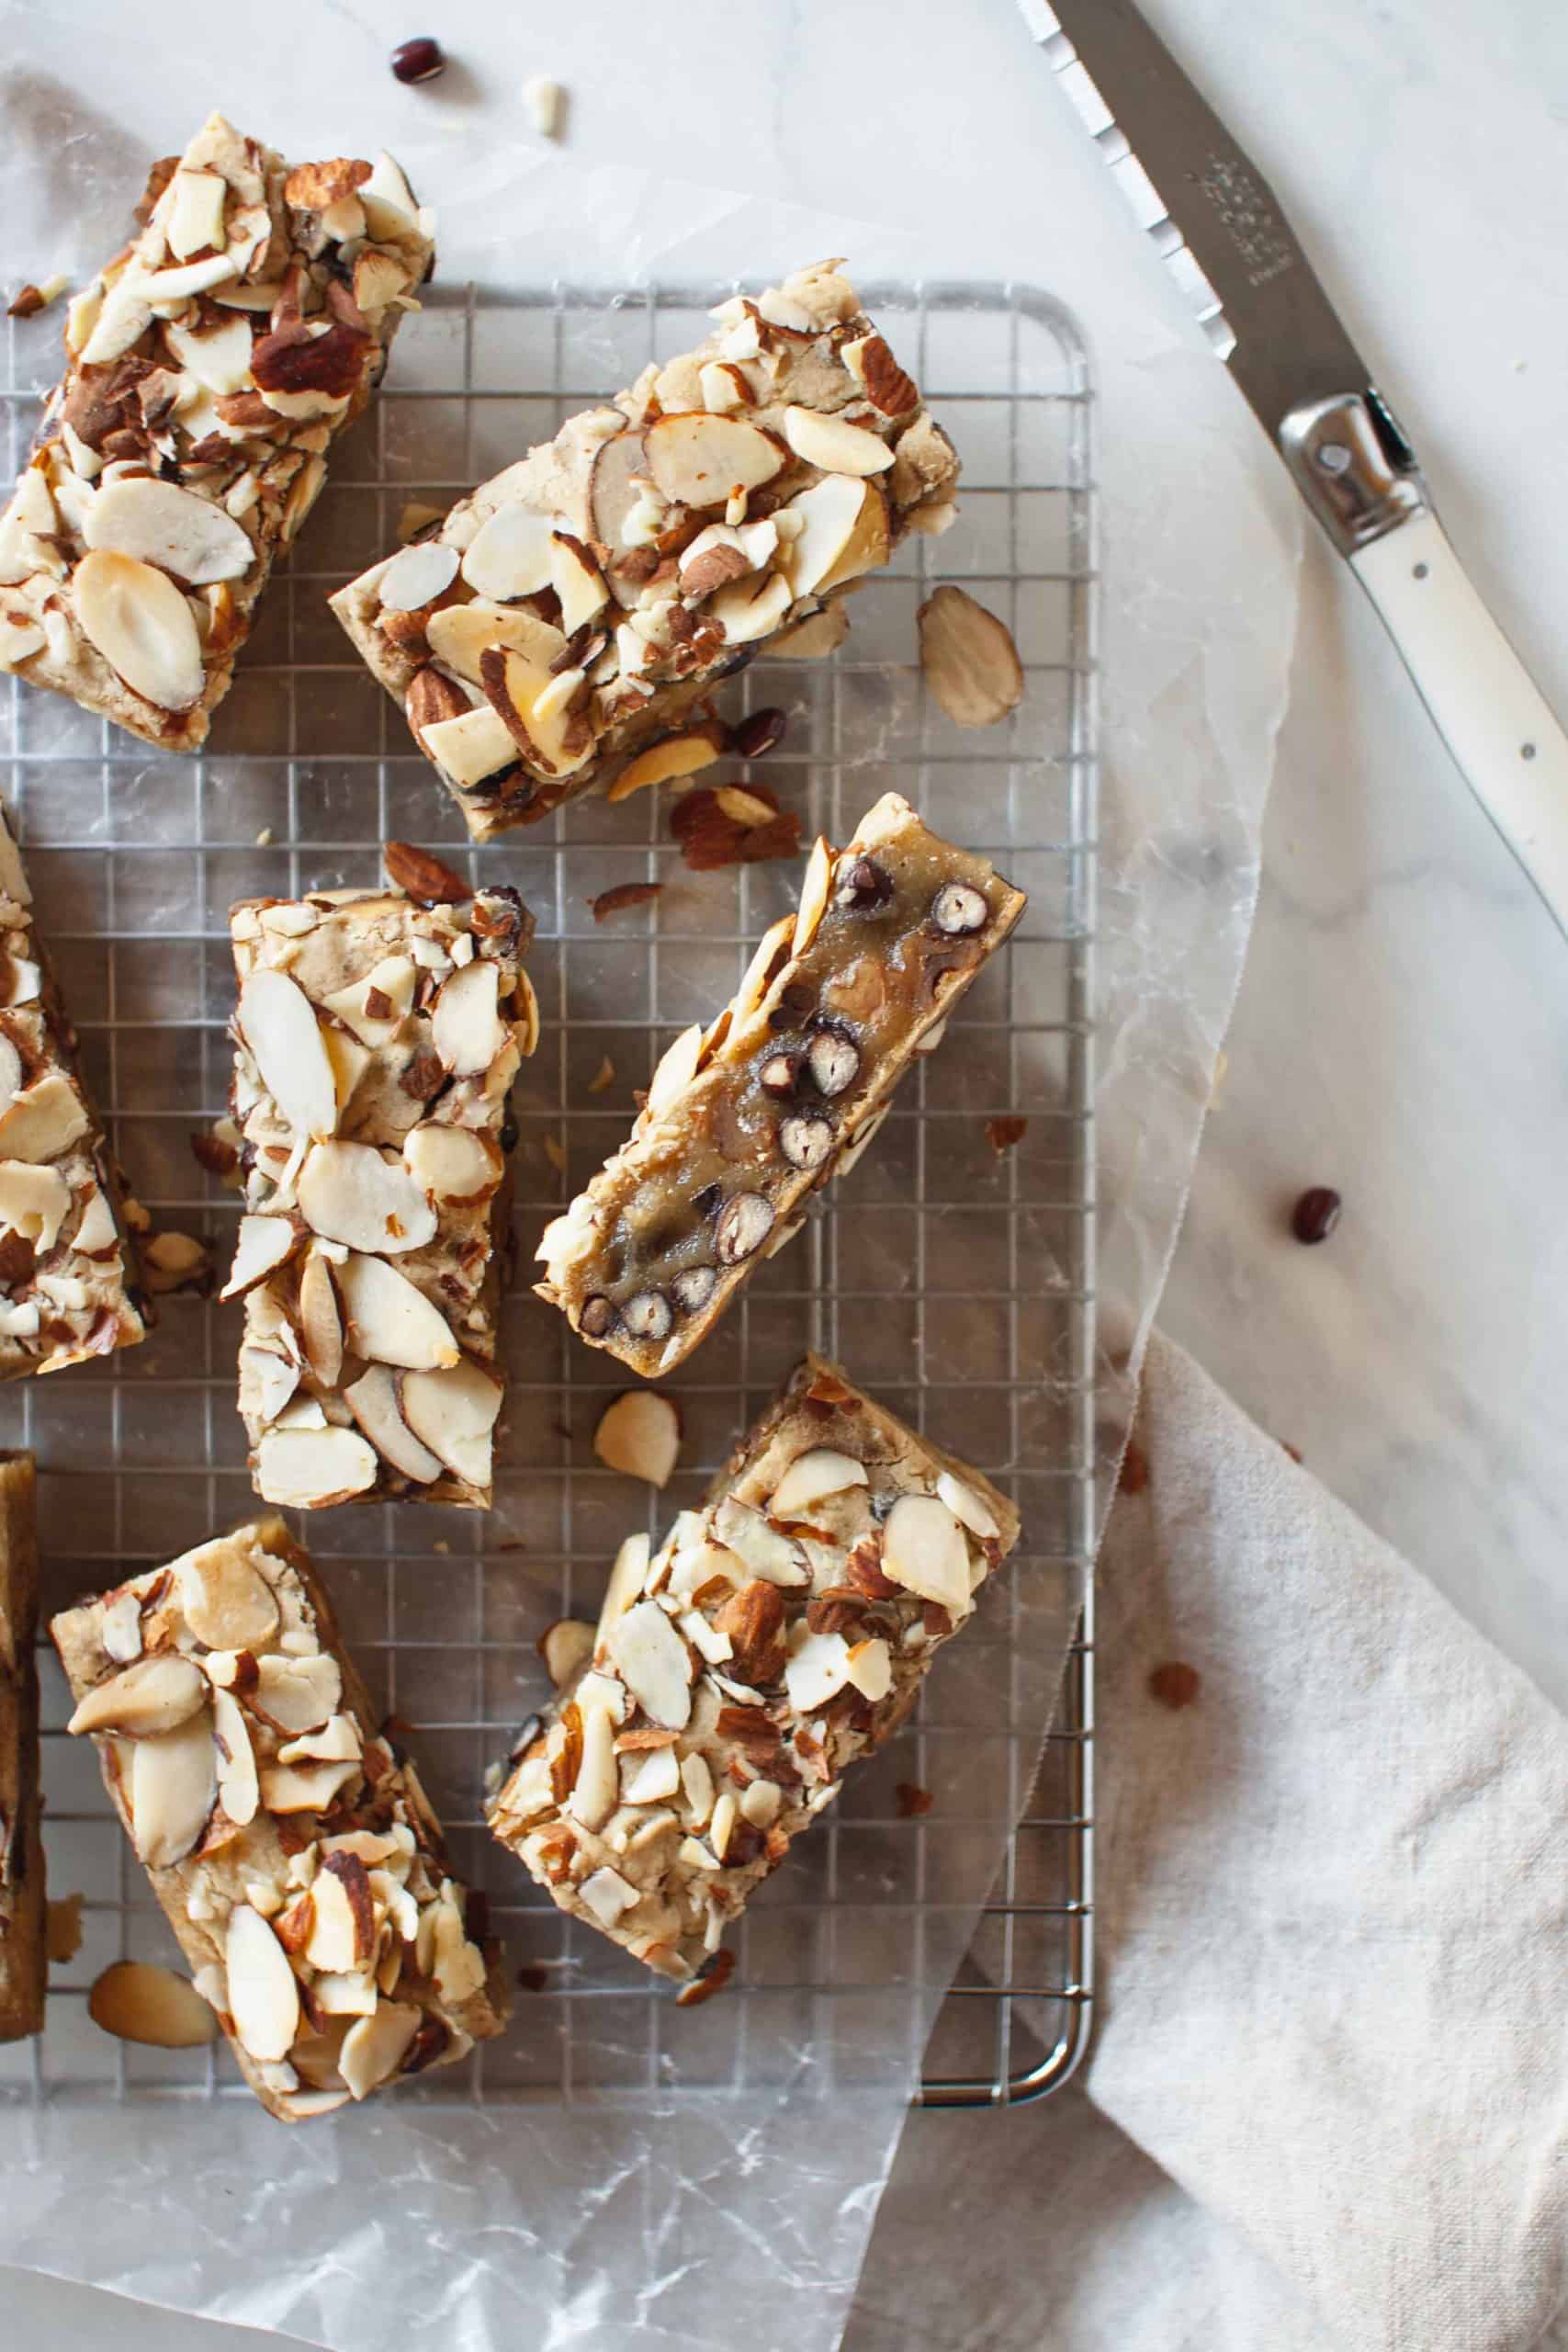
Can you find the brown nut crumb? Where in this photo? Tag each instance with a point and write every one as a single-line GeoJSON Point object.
{"type": "Point", "coordinates": [423, 876]}
{"type": "Point", "coordinates": [1174, 1684]}
{"type": "Point", "coordinates": [605, 1076]}
{"type": "Point", "coordinates": [710, 837]}
{"type": "Point", "coordinates": [714, 1979]}
{"type": "Point", "coordinates": [624, 894]}
{"type": "Point", "coordinates": [912, 1799]}
{"type": "Point", "coordinates": [62, 1928]}
{"type": "Point", "coordinates": [1002, 1134]}
{"type": "Point", "coordinates": [212, 1152]}
{"type": "Point", "coordinates": [533, 1978]}
{"type": "Point", "coordinates": [27, 301]}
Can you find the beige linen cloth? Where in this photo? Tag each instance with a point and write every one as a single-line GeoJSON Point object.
{"type": "Point", "coordinates": [1327, 2108]}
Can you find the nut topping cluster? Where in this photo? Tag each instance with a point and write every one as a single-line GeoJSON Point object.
{"type": "Point", "coordinates": [209, 366]}
{"type": "Point", "coordinates": [376, 1036]}
{"type": "Point", "coordinates": [778, 1633]}
{"type": "Point", "coordinates": [780, 1094]}
{"type": "Point", "coordinates": [295, 1854]}
{"type": "Point", "coordinates": [576, 608]}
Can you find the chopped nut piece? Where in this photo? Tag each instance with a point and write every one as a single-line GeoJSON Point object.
{"type": "Point", "coordinates": [711, 836]}
{"type": "Point", "coordinates": [970, 662]}
{"type": "Point", "coordinates": [750, 1678]}
{"type": "Point", "coordinates": [912, 1799]}
{"type": "Point", "coordinates": [639, 1434]}
{"type": "Point", "coordinates": [545, 101]}
{"type": "Point", "coordinates": [1002, 1134]}
{"type": "Point", "coordinates": [623, 894]}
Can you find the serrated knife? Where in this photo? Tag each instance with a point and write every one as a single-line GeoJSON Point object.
{"type": "Point", "coordinates": [1217, 222]}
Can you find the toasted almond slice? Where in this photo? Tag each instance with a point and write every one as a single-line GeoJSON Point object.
{"type": "Point", "coordinates": [466, 1027]}
{"type": "Point", "coordinates": [923, 1550]}
{"type": "Point", "coordinates": [453, 1411]}
{"type": "Point", "coordinates": [239, 1790]}
{"type": "Point", "coordinates": [174, 1779]}
{"type": "Point", "coordinates": [834, 446]}
{"type": "Point", "coordinates": [350, 1192]}
{"type": "Point", "coordinates": [653, 1779]}
{"type": "Point", "coordinates": [453, 1163]}
{"type": "Point", "coordinates": [374, 2047]}
{"type": "Point", "coordinates": [193, 219]}
{"type": "Point", "coordinates": [392, 979]}
{"type": "Point", "coordinates": [845, 533]}
{"type": "Point", "coordinates": [811, 1476]}
{"type": "Point", "coordinates": [295, 1694]}
{"type": "Point", "coordinates": [304, 1788]}
{"type": "Point", "coordinates": [459, 634]}
{"type": "Point", "coordinates": [626, 1581]}
{"type": "Point", "coordinates": [44, 1120]}
{"type": "Point", "coordinates": [219, 357]}
{"type": "Point", "coordinates": [416, 577]}
{"type": "Point", "coordinates": [577, 580]}
{"type": "Point", "coordinates": [597, 1787]}
{"type": "Point", "coordinates": [228, 1604]}
{"type": "Point", "coordinates": [279, 1024]}
{"type": "Point", "coordinates": [308, 1468]}
{"type": "Point", "coordinates": [373, 1401]}
{"type": "Point", "coordinates": [675, 755]}
{"type": "Point", "coordinates": [814, 896]}
{"type": "Point", "coordinates": [337, 1741]}
{"type": "Point", "coordinates": [158, 523]}
{"type": "Point", "coordinates": [564, 1646]}
{"type": "Point", "coordinates": [969, 660]}
{"type": "Point", "coordinates": [138, 2000]}
{"type": "Point", "coordinates": [750, 608]}
{"type": "Point", "coordinates": [137, 618]}
{"type": "Point", "coordinates": [813, 639]}
{"type": "Point", "coordinates": [263, 1245]}
{"type": "Point", "coordinates": [262, 1996]}
{"type": "Point", "coordinates": [509, 555]}
{"type": "Point", "coordinates": [321, 1325]}
{"type": "Point", "coordinates": [652, 1661]}
{"type": "Point", "coordinates": [676, 1069]}
{"type": "Point", "coordinates": [966, 1506]}
{"type": "Point", "coordinates": [474, 744]}
{"type": "Point", "coordinates": [817, 1666]}
{"type": "Point", "coordinates": [639, 1434]}
{"type": "Point", "coordinates": [869, 1668]}
{"type": "Point", "coordinates": [698, 459]}
{"type": "Point", "coordinates": [35, 1202]}
{"type": "Point", "coordinates": [155, 1694]}
{"type": "Point", "coordinates": [391, 1321]}
{"type": "Point", "coordinates": [765, 1551]}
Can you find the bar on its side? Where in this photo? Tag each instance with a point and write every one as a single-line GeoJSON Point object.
{"type": "Point", "coordinates": [208, 367]}
{"type": "Point", "coordinates": [376, 1040]}
{"type": "Point", "coordinates": [69, 1281]}
{"type": "Point", "coordinates": [294, 1852]}
{"type": "Point", "coordinates": [780, 1094]}
{"type": "Point", "coordinates": [578, 607]}
{"type": "Point", "coordinates": [24, 1958]}
{"type": "Point", "coordinates": [777, 1635]}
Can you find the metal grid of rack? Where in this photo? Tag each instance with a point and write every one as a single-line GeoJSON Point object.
{"type": "Point", "coordinates": [955, 1280]}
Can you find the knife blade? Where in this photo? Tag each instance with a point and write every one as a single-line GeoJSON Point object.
{"type": "Point", "coordinates": [1218, 223]}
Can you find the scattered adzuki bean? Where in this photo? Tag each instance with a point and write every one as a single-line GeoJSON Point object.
{"type": "Point", "coordinates": [1316, 1213]}
{"type": "Point", "coordinates": [778, 1074]}
{"type": "Point", "coordinates": [598, 1313]}
{"type": "Point", "coordinates": [745, 1224]}
{"type": "Point", "coordinates": [1174, 1684]}
{"type": "Point", "coordinates": [694, 1288]}
{"type": "Point", "coordinates": [761, 733]}
{"type": "Point", "coordinates": [419, 61]}
{"type": "Point", "coordinates": [833, 1061]}
{"type": "Point", "coordinates": [957, 909]}
{"type": "Point", "coordinates": [648, 1316]}
{"type": "Point", "coordinates": [806, 1140]}
{"type": "Point", "coordinates": [862, 884]}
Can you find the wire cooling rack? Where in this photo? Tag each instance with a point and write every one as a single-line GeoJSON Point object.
{"type": "Point", "coordinates": [954, 1280]}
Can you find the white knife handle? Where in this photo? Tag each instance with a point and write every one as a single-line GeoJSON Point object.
{"type": "Point", "coordinates": [1513, 752]}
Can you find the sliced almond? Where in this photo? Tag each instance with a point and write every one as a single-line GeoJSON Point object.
{"type": "Point", "coordinates": [342, 1932]}
{"type": "Point", "coordinates": [654, 1778]}
{"type": "Point", "coordinates": [391, 1321]}
{"type": "Point", "coordinates": [471, 746]}
{"type": "Point", "coordinates": [596, 1789]}
{"type": "Point", "coordinates": [626, 1581]}
{"type": "Point", "coordinates": [765, 1550]}
{"type": "Point", "coordinates": [698, 459]}
{"type": "Point", "coordinates": [509, 555]}
{"type": "Point", "coordinates": [833, 445]}
{"type": "Point", "coordinates": [372, 1400]}
{"type": "Point", "coordinates": [298, 1694]}
{"type": "Point", "coordinates": [577, 580]}
{"type": "Point", "coordinates": [969, 660]}
{"type": "Point", "coordinates": [639, 1434]}
{"type": "Point", "coordinates": [814, 895]}
{"type": "Point", "coordinates": [158, 523]}
{"type": "Point", "coordinates": [844, 533]}
{"type": "Point", "coordinates": [174, 1780]}
{"type": "Point", "coordinates": [350, 1193]}
{"type": "Point", "coordinates": [35, 1203]}
{"type": "Point", "coordinates": [307, 1469]}
{"type": "Point", "coordinates": [137, 618]}
{"type": "Point", "coordinates": [44, 1120]}
{"type": "Point", "coordinates": [279, 1024]}
{"type": "Point", "coordinates": [459, 634]}
{"type": "Point", "coordinates": [620, 465]}
{"type": "Point", "coordinates": [155, 1694]}
{"type": "Point", "coordinates": [321, 1325]}
{"type": "Point", "coordinates": [923, 1550]}
{"type": "Point", "coordinates": [564, 1646]}
{"type": "Point", "coordinates": [869, 1668]}
{"type": "Point", "coordinates": [653, 1662]}
{"type": "Point", "coordinates": [239, 1790]}
{"type": "Point", "coordinates": [676, 1067]}
{"type": "Point", "coordinates": [749, 609]}
{"type": "Point", "coordinates": [262, 1996]}
{"type": "Point", "coordinates": [389, 985]}
{"type": "Point", "coordinates": [813, 639]}
{"type": "Point", "coordinates": [228, 1604]}
{"type": "Point", "coordinates": [138, 2000]}
{"type": "Point", "coordinates": [336, 1741]}
{"type": "Point", "coordinates": [454, 1412]}
{"type": "Point", "coordinates": [374, 2047]}
{"type": "Point", "coordinates": [453, 1163]}
{"type": "Point", "coordinates": [416, 577]}
{"type": "Point", "coordinates": [812, 1476]}
{"type": "Point", "coordinates": [304, 1788]}
{"type": "Point", "coordinates": [466, 1027]}
{"type": "Point", "coordinates": [263, 1245]}
{"type": "Point", "coordinates": [676, 755]}
{"type": "Point", "coordinates": [219, 357]}
{"type": "Point", "coordinates": [193, 214]}
{"type": "Point", "coordinates": [966, 1506]}
{"type": "Point", "coordinates": [817, 1666]}
{"type": "Point", "coordinates": [119, 1627]}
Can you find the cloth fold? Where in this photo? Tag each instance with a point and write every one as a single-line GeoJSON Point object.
{"type": "Point", "coordinates": [1326, 2107]}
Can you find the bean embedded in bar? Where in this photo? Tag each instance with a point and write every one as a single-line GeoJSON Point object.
{"type": "Point", "coordinates": [24, 1957]}
{"type": "Point", "coordinates": [209, 365]}
{"type": "Point", "coordinates": [784, 1090]}
{"type": "Point", "coordinates": [292, 1849]}
{"type": "Point", "coordinates": [376, 1036]}
{"type": "Point", "coordinates": [563, 627]}
{"type": "Point", "coordinates": [778, 1633]}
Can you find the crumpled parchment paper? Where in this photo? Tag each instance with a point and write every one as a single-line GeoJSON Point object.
{"type": "Point", "coordinates": [714, 2173]}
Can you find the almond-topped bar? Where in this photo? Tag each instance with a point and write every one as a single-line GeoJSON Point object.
{"type": "Point", "coordinates": [208, 367]}
{"type": "Point", "coordinates": [24, 1958]}
{"type": "Point", "coordinates": [376, 1040]}
{"type": "Point", "coordinates": [745, 1119]}
{"type": "Point", "coordinates": [292, 1849]}
{"type": "Point", "coordinates": [778, 1633]}
{"type": "Point", "coordinates": [69, 1286]}
{"type": "Point", "coordinates": [579, 606]}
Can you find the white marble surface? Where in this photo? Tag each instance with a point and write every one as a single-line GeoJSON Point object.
{"type": "Point", "coordinates": [1401, 1029]}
